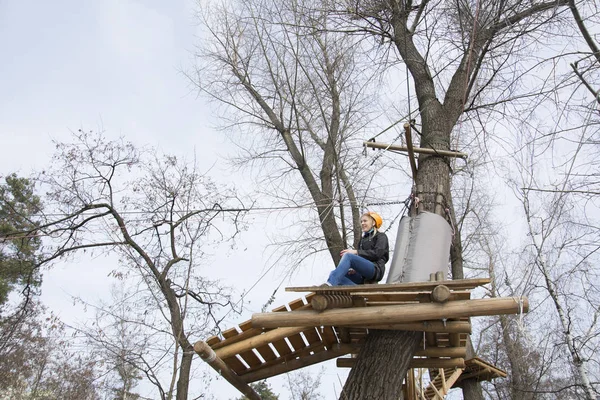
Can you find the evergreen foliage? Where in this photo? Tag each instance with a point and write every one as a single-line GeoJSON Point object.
{"type": "Point", "coordinates": [18, 243]}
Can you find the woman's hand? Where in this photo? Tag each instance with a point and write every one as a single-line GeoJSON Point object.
{"type": "Point", "coordinates": [349, 251]}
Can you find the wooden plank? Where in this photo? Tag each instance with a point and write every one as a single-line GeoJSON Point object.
{"type": "Point", "coordinates": [281, 345]}
{"type": "Point", "coordinates": [328, 336]}
{"type": "Point", "coordinates": [456, 284]}
{"type": "Point", "coordinates": [247, 356]}
{"type": "Point", "coordinates": [307, 351]}
{"type": "Point", "coordinates": [297, 341]}
{"type": "Point", "coordinates": [291, 365]}
{"type": "Point", "coordinates": [213, 340]}
{"type": "Point", "coordinates": [274, 336]}
{"type": "Point", "coordinates": [235, 364]}
{"type": "Point", "coordinates": [265, 350]}
{"type": "Point", "coordinates": [312, 336]}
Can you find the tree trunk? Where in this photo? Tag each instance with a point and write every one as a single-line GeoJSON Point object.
{"type": "Point", "coordinates": [185, 368]}
{"type": "Point", "coordinates": [379, 374]}
{"type": "Point", "coordinates": [471, 388]}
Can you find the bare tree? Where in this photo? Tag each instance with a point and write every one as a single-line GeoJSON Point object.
{"type": "Point", "coordinates": [39, 361]}
{"type": "Point", "coordinates": [592, 60]}
{"type": "Point", "coordinates": [303, 386]}
{"type": "Point", "coordinates": [298, 95]}
{"type": "Point", "coordinates": [159, 215]}
{"type": "Point", "coordinates": [467, 61]}
{"type": "Point", "coordinates": [561, 250]}
{"type": "Point", "coordinates": [456, 54]}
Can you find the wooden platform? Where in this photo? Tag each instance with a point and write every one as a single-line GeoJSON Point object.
{"type": "Point", "coordinates": [480, 370]}
{"type": "Point", "coordinates": [254, 353]}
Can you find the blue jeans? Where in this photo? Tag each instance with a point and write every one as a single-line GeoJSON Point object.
{"type": "Point", "coordinates": [363, 267]}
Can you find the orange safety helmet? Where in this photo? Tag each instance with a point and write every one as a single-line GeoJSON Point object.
{"type": "Point", "coordinates": [377, 218]}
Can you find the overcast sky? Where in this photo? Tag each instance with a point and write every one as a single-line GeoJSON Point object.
{"type": "Point", "coordinates": [113, 65]}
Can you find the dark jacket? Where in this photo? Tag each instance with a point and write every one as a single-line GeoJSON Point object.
{"type": "Point", "coordinates": [375, 248]}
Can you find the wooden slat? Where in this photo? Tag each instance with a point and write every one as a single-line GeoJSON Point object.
{"type": "Point", "coordinates": [312, 336]}
{"type": "Point", "coordinates": [248, 356]}
{"type": "Point", "coordinates": [456, 284]}
{"type": "Point", "coordinates": [297, 341]}
{"type": "Point", "coordinates": [307, 351]}
{"type": "Point", "coordinates": [328, 336]}
{"type": "Point", "coordinates": [216, 343]}
{"type": "Point", "coordinates": [431, 339]}
{"type": "Point", "coordinates": [301, 362]}
{"type": "Point", "coordinates": [281, 346]}
{"type": "Point", "coordinates": [265, 351]}
{"type": "Point", "coordinates": [213, 340]}
{"type": "Point", "coordinates": [238, 338]}
{"type": "Point", "coordinates": [236, 365]}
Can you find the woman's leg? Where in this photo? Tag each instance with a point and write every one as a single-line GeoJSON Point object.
{"type": "Point", "coordinates": [363, 268]}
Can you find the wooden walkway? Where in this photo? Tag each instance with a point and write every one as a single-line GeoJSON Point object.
{"type": "Point", "coordinates": [262, 347]}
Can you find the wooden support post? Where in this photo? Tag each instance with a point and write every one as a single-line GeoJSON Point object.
{"type": "Point", "coordinates": [454, 339]}
{"type": "Point", "coordinates": [208, 355]}
{"type": "Point", "coordinates": [431, 339]}
{"type": "Point", "coordinates": [439, 276]}
{"type": "Point", "coordinates": [344, 334]}
{"type": "Point", "coordinates": [392, 314]}
{"type": "Point", "coordinates": [410, 385]}
{"type": "Point", "coordinates": [257, 341]}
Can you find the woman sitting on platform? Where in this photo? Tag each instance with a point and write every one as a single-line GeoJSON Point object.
{"type": "Point", "coordinates": [367, 263]}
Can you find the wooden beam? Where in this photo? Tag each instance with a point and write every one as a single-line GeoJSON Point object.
{"type": "Point", "coordinates": [336, 351]}
{"type": "Point", "coordinates": [257, 341]}
{"type": "Point", "coordinates": [391, 314]}
{"type": "Point", "coordinates": [208, 355]}
{"type": "Point", "coordinates": [440, 294]}
{"type": "Point", "coordinates": [391, 287]}
{"type": "Point", "coordinates": [418, 297]}
{"type": "Point", "coordinates": [345, 362]}
{"type": "Point", "coordinates": [425, 326]}
{"type": "Point", "coordinates": [450, 352]}
{"type": "Point", "coordinates": [421, 150]}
